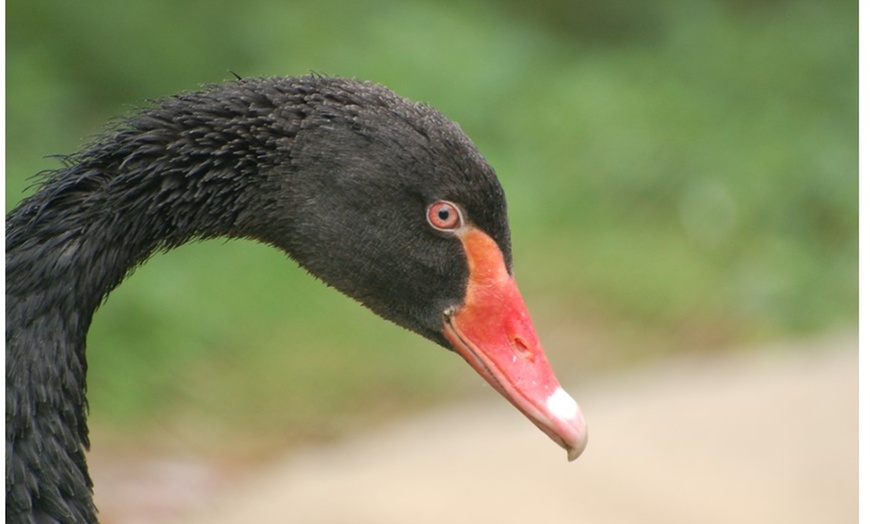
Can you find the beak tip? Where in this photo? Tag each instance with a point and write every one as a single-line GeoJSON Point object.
{"type": "Point", "coordinates": [576, 449]}
{"type": "Point", "coordinates": [572, 434]}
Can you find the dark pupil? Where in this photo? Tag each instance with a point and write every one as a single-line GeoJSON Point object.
{"type": "Point", "coordinates": [444, 214]}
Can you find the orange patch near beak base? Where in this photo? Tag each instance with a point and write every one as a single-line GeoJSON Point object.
{"type": "Point", "coordinates": [495, 335]}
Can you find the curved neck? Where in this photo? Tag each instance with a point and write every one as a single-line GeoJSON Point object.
{"type": "Point", "coordinates": [295, 163]}
{"type": "Point", "coordinates": [170, 176]}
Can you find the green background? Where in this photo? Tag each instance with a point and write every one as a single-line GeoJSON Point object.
{"type": "Point", "coordinates": [681, 176]}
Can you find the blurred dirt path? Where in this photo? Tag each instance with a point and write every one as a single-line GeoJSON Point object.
{"type": "Point", "coordinates": [758, 437]}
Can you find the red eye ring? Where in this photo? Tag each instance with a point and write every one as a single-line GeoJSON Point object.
{"type": "Point", "coordinates": [445, 216]}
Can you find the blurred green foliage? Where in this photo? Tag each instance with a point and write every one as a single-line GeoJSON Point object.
{"type": "Point", "coordinates": [682, 171]}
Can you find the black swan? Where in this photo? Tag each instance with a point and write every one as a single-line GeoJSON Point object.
{"type": "Point", "coordinates": [380, 197]}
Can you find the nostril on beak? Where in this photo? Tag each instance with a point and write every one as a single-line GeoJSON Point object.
{"type": "Point", "coordinates": [521, 348]}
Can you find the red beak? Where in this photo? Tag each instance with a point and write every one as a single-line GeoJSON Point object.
{"type": "Point", "coordinates": [492, 330]}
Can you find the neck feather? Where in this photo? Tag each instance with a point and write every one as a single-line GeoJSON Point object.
{"type": "Point", "coordinates": [172, 174]}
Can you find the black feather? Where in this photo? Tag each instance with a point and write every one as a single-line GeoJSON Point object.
{"type": "Point", "coordinates": [337, 173]}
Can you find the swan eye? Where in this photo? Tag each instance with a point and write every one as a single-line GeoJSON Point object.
{"type": "Point", "coordinates": [445, 216]}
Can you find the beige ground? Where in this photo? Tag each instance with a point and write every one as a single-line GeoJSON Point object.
{"type": "Point", "coordinates": [763, 437]}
